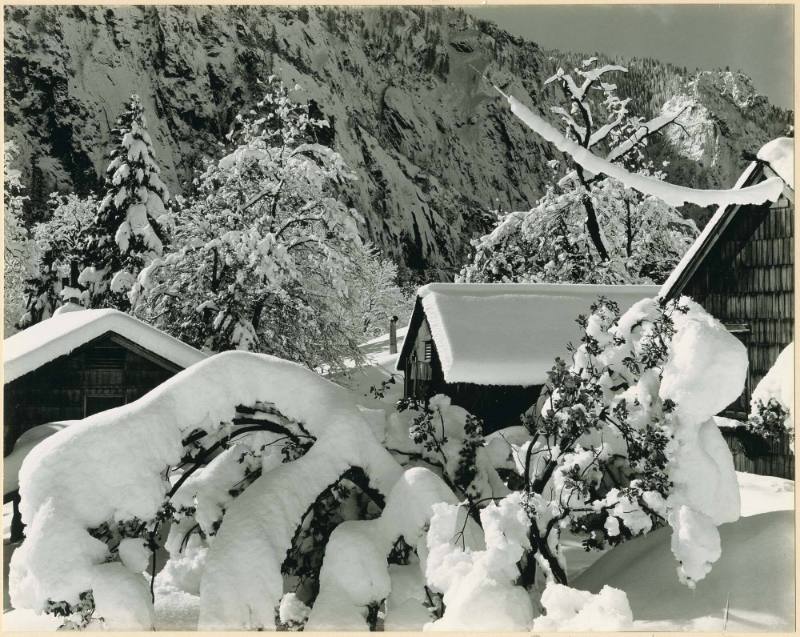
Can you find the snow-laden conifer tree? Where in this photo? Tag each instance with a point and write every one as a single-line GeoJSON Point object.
{"type": "Point", "coordinates": [132, 219]}
{"type": "Point", "coordinates": [18, 252]}
{"type": "Point", "coordinates": [267, 255]}
{"type": "Point", "coordinates": [588, 227]}
{"type": "Point", "coordinates": [59, 257]}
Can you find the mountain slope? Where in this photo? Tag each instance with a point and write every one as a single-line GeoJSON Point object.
{"type": "Point", "coordinates": [433, 145]}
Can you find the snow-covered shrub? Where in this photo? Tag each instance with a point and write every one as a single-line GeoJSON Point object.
{"type": "Point", "coordinates": [450, 439]}
{"type": "Point", "coordinates": [570, 609]}
{"type": "Point", "coordinates": [267, 255]}
{"type": "Point", "coordinates": [221, 467]}
{"type": "Point", "coordinates": [477, 576]}
{"type": "Point", "coordinates": [590, 228]}
{"type": "Point", "coordinates": [59, 242]}
{"type": "Point", "coordinates": [279, 504]}
{"type": "Point", "coordinates": [623, 441]}
{"type": "Point", "coordinates": [772, 401]}
{"type": "Point", "coordinates": [19, 251]}
{"type": "Point", "coordinates": [132, 219]}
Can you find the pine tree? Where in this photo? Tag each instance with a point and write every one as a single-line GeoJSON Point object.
{"type": "Point", "coordinates": [132, 219]}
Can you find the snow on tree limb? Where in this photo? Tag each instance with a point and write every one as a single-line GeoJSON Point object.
{"type": "Point", "coordinates": [768, 190]}
{"type": "Point", "coordinates": [578, 92]}
{"type": "Point", "coordinates": [645, 129]}
{"type": "Point", "coordinates": [346, 591]}
{"type": "Point", "coordinates": [243, 582]}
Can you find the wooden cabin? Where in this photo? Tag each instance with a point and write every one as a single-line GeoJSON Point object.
{"type": "Point", "coordinates": [489, 346]}
{"type": "Point", "coordinates": [79, 363]}
{"type": "Point", "coordinates": [741, 269]}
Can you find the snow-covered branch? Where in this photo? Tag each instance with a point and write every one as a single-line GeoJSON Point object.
{"type": "Point", "coordinates": [674, 195]}
{"type": "Point", "coordinates": [643, 130]}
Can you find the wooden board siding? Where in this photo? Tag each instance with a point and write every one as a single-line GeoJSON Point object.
{"type": "Point", "coordinates": [106, 372]}
{"type": "Point", "coordinates": [771, 457]}
{"type": "Point", "coordinates": [748, 278]}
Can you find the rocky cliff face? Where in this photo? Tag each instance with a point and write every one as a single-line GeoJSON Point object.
{"type": "Point", "coordinates": [433, 145]}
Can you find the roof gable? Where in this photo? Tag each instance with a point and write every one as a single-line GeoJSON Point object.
{"type": "Point", "coordinates": [779, 155]}
{"type": "Point", "coordinates": [507, 334]}
{"type": "Point", "coordinates": [60, 335]}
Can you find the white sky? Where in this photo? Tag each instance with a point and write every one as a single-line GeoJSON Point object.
{"type": "Point", "coordinates": [757, 39]}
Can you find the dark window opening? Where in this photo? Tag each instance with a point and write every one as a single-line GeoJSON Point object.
{"type": "Point", "coordinates": [96, 404]}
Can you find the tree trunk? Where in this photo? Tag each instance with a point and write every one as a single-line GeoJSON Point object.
{"type": "Point", "coordinates": [594, 228]}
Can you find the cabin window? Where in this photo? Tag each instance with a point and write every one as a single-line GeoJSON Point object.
{"type": "Point", "coordinates": [111, 357]}
{"type": "Point", "coordinates": [427, 351]}
{"type": "Point", "coordinates": [95, 403]}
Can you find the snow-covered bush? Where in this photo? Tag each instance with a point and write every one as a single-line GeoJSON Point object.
{"type": "Point", "coordinates": [449, 438]}
{"type": "Point", "coordinates": [18, 252]}
{"type": "Point", "coordinates": [244, 436]}
{"type": "Point", "coordinates": [59, 243]}
{"type": "Point", "coordinates": [267, 255]}
{"type": "Point", "coordinates": [132, 220]}
{"type": "Point", "coordinates": [280, 502]}
{"type": "Point", "coordinates": [590, 228]}
{"type": "Point", "coordinates": [623, 441]}
{"type": "Point", "coordinates": [772, 402]}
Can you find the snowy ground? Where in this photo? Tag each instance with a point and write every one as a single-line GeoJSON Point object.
{"type": "Point", "coordinates": [754, 577]}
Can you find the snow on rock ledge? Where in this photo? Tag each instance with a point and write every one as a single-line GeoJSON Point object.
{"type": "Point", "coordinates": [110, 467]}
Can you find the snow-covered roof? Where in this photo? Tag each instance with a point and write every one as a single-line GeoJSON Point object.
{"type": "Point", "coordinates": [780, 155]}
{"type": "Point", "coordinates": [59, 335]}
{"type": "Point", "coordinates": [507, 334]}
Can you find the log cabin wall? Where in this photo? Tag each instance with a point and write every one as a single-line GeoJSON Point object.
{"type": "Point", "coordinates": [747, 282]}
{"type": "Point", "coordinates": [497, 405]}
{"type": "Point", "coordinates": [104, 373]}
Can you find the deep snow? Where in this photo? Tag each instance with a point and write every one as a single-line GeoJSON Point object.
{"type": "Point", "coordinates": [652, 569]}
{"type": "Point", "coordinates": [653, 565]}
{"type": "Point", "coordinates": [753, 580]}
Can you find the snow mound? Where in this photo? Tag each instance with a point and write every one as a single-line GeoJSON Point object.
{"type": "Point", "coordinates": [22, 447]}
{"type": "Point", "coordinates": [572, 609]}
{"type": "Point", "coordinates": [31, 348]}
{"type": "Point", "coordinates": [355, 571]}
{"type": "Point", "coordinates": [754, 579]}
{"type": "Point", "coordinates": [478, 585]}
{"type": "Point", "coordinates": [762, 494]}
{"type": "Point", "coordinates": [779, 153]}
